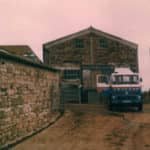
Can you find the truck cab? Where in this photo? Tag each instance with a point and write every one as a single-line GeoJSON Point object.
{"type": "Point", "coordinates": [124, 89]}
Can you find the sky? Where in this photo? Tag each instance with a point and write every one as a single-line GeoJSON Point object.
{"type": "Point", "coordinates": [34, 22]}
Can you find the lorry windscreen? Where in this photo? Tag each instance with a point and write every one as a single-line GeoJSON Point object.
{"type": "Point", "coordinates": [125, 79]}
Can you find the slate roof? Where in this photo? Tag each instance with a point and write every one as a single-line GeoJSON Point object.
{"type": "Point", "coordinates": [87, 31]}
{"type": "Point", "coordinates": [20, 50]}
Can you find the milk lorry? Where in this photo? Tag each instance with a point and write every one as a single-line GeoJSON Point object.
{"type": "Point", "coordinates": [122, 88]}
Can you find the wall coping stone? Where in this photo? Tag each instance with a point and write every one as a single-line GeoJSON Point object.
{"type": "Point", "coordinates": [24, 61]}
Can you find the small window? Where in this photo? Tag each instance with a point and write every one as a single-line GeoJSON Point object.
{"type": "Point", "coordinates": [79, 43]}
{"type": "Point", "coordinates": [71, 74]}
{"type": "Point", "coordinates": [103, 43]}
{"type": "Point", "coordinates": [135, 79]}
{"type": "Point", "coordinates": [102, 79]}
{"type": "Point", "coordinates": [126, 79]}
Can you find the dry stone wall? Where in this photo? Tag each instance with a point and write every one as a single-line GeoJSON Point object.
{"type": "Point", "coordinates": [28, 94]}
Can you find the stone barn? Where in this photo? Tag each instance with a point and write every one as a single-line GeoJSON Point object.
{"type": "Point", "coordinates": [82, 55]}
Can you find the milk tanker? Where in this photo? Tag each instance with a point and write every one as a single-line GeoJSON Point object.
{"type": "Point", "coordinates": [122, 88]}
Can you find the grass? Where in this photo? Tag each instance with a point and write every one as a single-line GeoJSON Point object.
{"type": "Point", "coordinates": [116, 138]}
{"type": "Point", "coordinates": [117, 114]}
{"type": "Point", "coordinates": [78, 119]}
{"type": "Point", "coordinates": [108, 138]}
{"type": "Point", "coordinates": [147, 145]}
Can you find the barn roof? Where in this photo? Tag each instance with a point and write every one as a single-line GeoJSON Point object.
{"type": "Point", "coordinates": [87, 31]}
{"type": "Point", "coordinates": [20, 50]}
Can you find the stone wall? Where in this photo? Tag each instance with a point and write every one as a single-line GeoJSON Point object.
{"type": "Point", "coordinates": [28, 94]}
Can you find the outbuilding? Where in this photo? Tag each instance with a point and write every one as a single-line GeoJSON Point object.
{"type": "Point", "coordinates": [82, 55]}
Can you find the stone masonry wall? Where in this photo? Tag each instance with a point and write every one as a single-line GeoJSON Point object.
{"type": "Point", "coordinates": [116, 53]}
{"type": "Point", "coordinates": [28, 93]}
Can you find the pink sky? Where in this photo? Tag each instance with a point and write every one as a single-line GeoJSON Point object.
{"type": "Point", "coordinates": [34, 22]}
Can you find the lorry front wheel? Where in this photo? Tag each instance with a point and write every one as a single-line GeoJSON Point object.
{"type": "Point", "coordinates": [110, 107]}
{"type": "Point", "coordinates": [140, 107]}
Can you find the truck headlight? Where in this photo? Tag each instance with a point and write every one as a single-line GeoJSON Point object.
{"type": "Point", "coordinates": [113, 97]}
{"type": "Point", "coordinates": [118, 89]}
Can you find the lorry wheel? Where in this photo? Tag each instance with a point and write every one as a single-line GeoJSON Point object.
{"type": "Point", "coordinates": [140, 107]}
{"type": "Point", "coordinates": [110, 107]}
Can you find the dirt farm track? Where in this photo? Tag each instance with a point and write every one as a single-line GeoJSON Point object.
{"type": "Point", "coordinates": [94, 130]}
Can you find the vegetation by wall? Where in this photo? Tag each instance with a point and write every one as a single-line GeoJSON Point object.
{"type": "Point", "coordinates": [146, 96]}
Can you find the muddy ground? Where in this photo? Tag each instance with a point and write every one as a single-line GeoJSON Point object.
{"type": "Point", "coordinates": [126, 130]}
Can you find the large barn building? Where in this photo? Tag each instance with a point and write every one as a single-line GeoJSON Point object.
{"type": "Point", "coordinates": [82, 55]}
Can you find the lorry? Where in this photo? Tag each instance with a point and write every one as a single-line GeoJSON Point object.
{"type": "Point", "coordinates": [122, 88]}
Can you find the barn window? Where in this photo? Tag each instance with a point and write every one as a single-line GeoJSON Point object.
{"type": "Point", "coordinates": [71, 74]}
{"type": "Point", "coordinates": [79, 43]}
{"type": "Point", "coordinates": [103, 79]}
{"type": "Point", "coordinates": [103, 43]}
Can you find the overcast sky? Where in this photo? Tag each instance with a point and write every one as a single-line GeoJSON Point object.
{"type": "Point", "coordinates": [34, 22]}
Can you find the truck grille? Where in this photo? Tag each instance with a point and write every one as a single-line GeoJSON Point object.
{"type": "Point", "coordinates": [126, 97]}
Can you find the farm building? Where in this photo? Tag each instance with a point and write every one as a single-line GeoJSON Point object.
{"type": "Point", "coordinates": [82, 55]}
{"type": "Point", "coordinates": [23, 51]}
